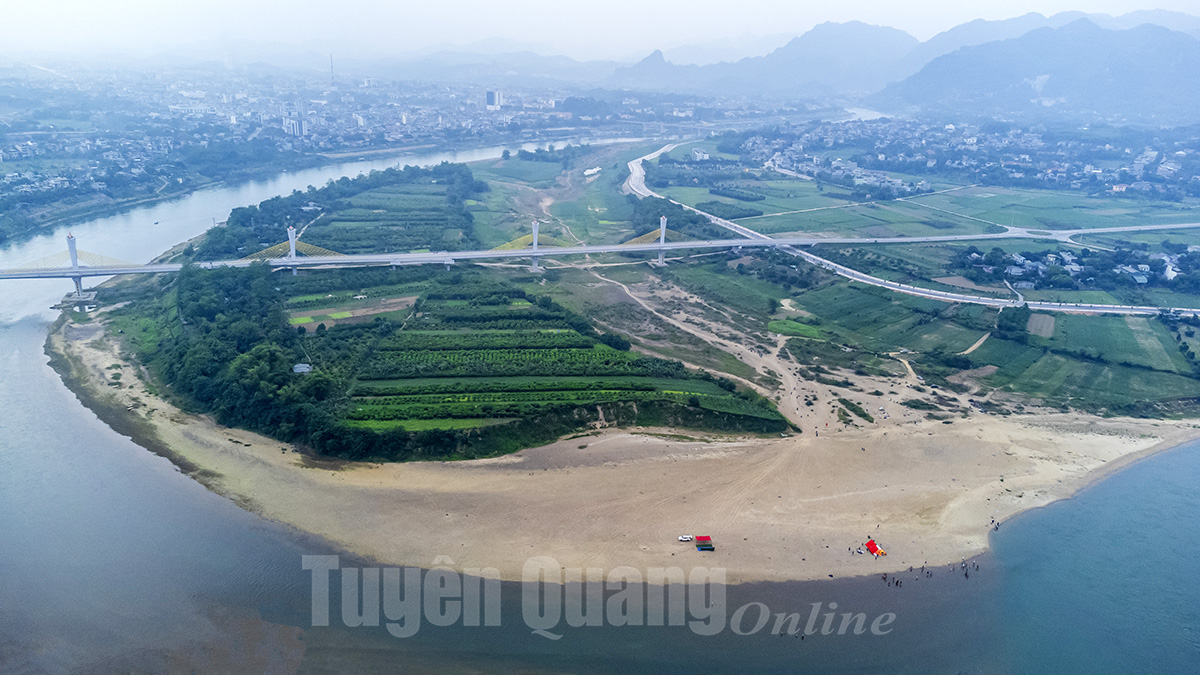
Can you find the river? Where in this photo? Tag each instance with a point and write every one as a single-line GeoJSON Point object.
{"type": "Point", "coordinates": [111, 560]}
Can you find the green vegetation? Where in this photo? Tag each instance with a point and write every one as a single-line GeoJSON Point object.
{"type": "Point", "coordinates": [477, 368]}
{"type": "Point", "coordinates": [1056, 210]}
{"type": "Point", "coordinates": [727, 211]}
{"type": "Point", "coordinates": [856, 409]}
{"type": "Point", "coordinates": [406, 363]}
{"type": "Point", "coordinates": [393, 210]}
{"type": "Point", "coordinates": [794, 328]}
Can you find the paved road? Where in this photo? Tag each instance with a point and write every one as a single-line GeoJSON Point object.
{"type": "Point", "coordinates": [637, 185]}
{"type": "Point", "coordinates": [450, 257]}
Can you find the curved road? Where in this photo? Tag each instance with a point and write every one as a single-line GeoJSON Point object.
{"type": "Point", "coordinates": [636, 184]}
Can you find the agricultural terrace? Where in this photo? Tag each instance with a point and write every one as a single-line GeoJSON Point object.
{"type": "Point", "coordinates": [409, 209]}
{"type": "Point", "coordinates": [490, 353]}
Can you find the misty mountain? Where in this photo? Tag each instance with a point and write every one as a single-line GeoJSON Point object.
{"type": "Point", "coordinates": [1145, 74]}
{"type": "Point", "coordinates": [1184, 23]}
{"type": "Point", "coordinates": [981, 31]}
{"type": "Point", "coordinates": [729, 49]}
{"type": "Point", "coordinates": [832, 58]}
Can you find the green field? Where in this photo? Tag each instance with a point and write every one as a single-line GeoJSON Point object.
{"type": "Point", "coordinates": [780, 196]}
{"type": "Point", "coordinates": [1089, 385]}
{"type": "Point", "coordinates": [1050, 210]}
{"type": "Point", "coordinates": [406, 217]}
{"type": "Point", "coordinates": [533, 173]}
{"type": "Point", "coordinates": [881, 321]}
{"type": "Point", "coordinates": [601, 215]}
{"type": "Point", "coordinates": [743, 293]}
{"type": "Point", "coordinates": [1135, 340]}
{"type": "Point", "coordinates": [793, 328]}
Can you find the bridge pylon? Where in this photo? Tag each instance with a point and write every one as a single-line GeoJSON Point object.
{"type": "Point", "coordinates": [74, 253]}
{"type": "Point", "coordinates": [291, 231]}
{"type": "Point", "coordinates": [662, 239]}
{"type": "Point", "coordinates": [535, 246]}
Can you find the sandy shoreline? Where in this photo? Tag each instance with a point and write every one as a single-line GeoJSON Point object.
{"type": "Point", "coordinates": [778, 509]}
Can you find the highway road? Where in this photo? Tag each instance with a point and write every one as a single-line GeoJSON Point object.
{"type": "Point", "coordinates": [636, 184]}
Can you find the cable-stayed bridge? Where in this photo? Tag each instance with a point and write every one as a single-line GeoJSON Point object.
{"type": "Point", "coordinates": [295, 255]}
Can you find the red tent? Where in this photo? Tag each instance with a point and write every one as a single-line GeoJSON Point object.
{"type": "Point", "coordinates": [873, 547]}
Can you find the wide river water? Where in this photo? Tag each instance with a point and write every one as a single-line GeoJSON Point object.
{"type": "Point", "coordinates": [113, 561]}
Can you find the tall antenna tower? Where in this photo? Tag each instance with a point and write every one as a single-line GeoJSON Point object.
{"type": "Point", "coordinates": [331, 68]}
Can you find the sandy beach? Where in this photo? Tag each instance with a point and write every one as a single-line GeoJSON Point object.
{"type": "Point", "coordinates": [777, 508]}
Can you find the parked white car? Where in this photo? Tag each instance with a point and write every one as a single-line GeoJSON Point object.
{"type": "Point", "coordinates": [685, 537]}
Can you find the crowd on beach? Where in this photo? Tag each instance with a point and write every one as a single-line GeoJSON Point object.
{"type": "Point", "coordinates": [894, 580]}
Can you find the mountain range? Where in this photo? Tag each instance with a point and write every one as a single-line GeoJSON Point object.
{"type": "Point", "coordinates": [1141, 67]}
{"type": "Point", "coordinates": [1143, 74]}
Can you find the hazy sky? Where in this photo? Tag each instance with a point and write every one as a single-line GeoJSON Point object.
{"type": "Point", "coordinates": [582, 29]}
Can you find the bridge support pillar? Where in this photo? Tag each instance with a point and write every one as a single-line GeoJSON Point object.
{"type": "Point", "coordinates": [74, 253]}
{"type": "Point", "coordinates": [292, 246]}
{"type": "Point", "coordinates": [662, 239]}
{"type": "Point", "coordinates": [535, 246]}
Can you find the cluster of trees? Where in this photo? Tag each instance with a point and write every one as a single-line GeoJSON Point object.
{"type": "Point", "coordinates": [225, 347]}
{"type": "Point", "coordinates": [727, 211]}
{"type": "Point", "coordinates": [565, 156]}
{"type": "Point", "coordinates": [1013, 323]}
{"type": "Point", "coordinates": [646, 214]}
{"type": "Point", "coordinates": [734, 193]}
{"type": "Point", "coordinates": [780, 269]}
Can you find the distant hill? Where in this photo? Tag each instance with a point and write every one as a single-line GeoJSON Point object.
{"type": "Point", "coordinates": [727, 50]}
{"type": "Point", "coordinates": [980, 32]}
{"type": "Point", "coordinates": [1145, 74]}
{"type": "Point", "coordinates": [832, 58]}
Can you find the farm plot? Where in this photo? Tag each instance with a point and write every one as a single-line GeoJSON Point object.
{"type": "Point", "coordinates": [475, 357]}
{"type": "Point", "coordinates": [394, 218]}
{"type": "Point", "coordinates": [1050, 210]}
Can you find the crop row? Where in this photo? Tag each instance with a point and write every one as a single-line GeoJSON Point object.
{"type": "Point", "coordinates": [455, 315]}
{"type": "Point", "coordinates": [402, 388]}
{"type": "Point", "coordinates": [482, 407]}
{"type": "Point", "coordinates": [430, 322]}
{"type": "Point", "coordinates": [578, 396]}
{"type": "Point", "coordinates": [510, 363]}
{"type": "Point", "coordinates": [494, 408]}
{"type": "Point", "coordinates": [514, 362]}
{"type": "Point", "coordinates": [486, 340]}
